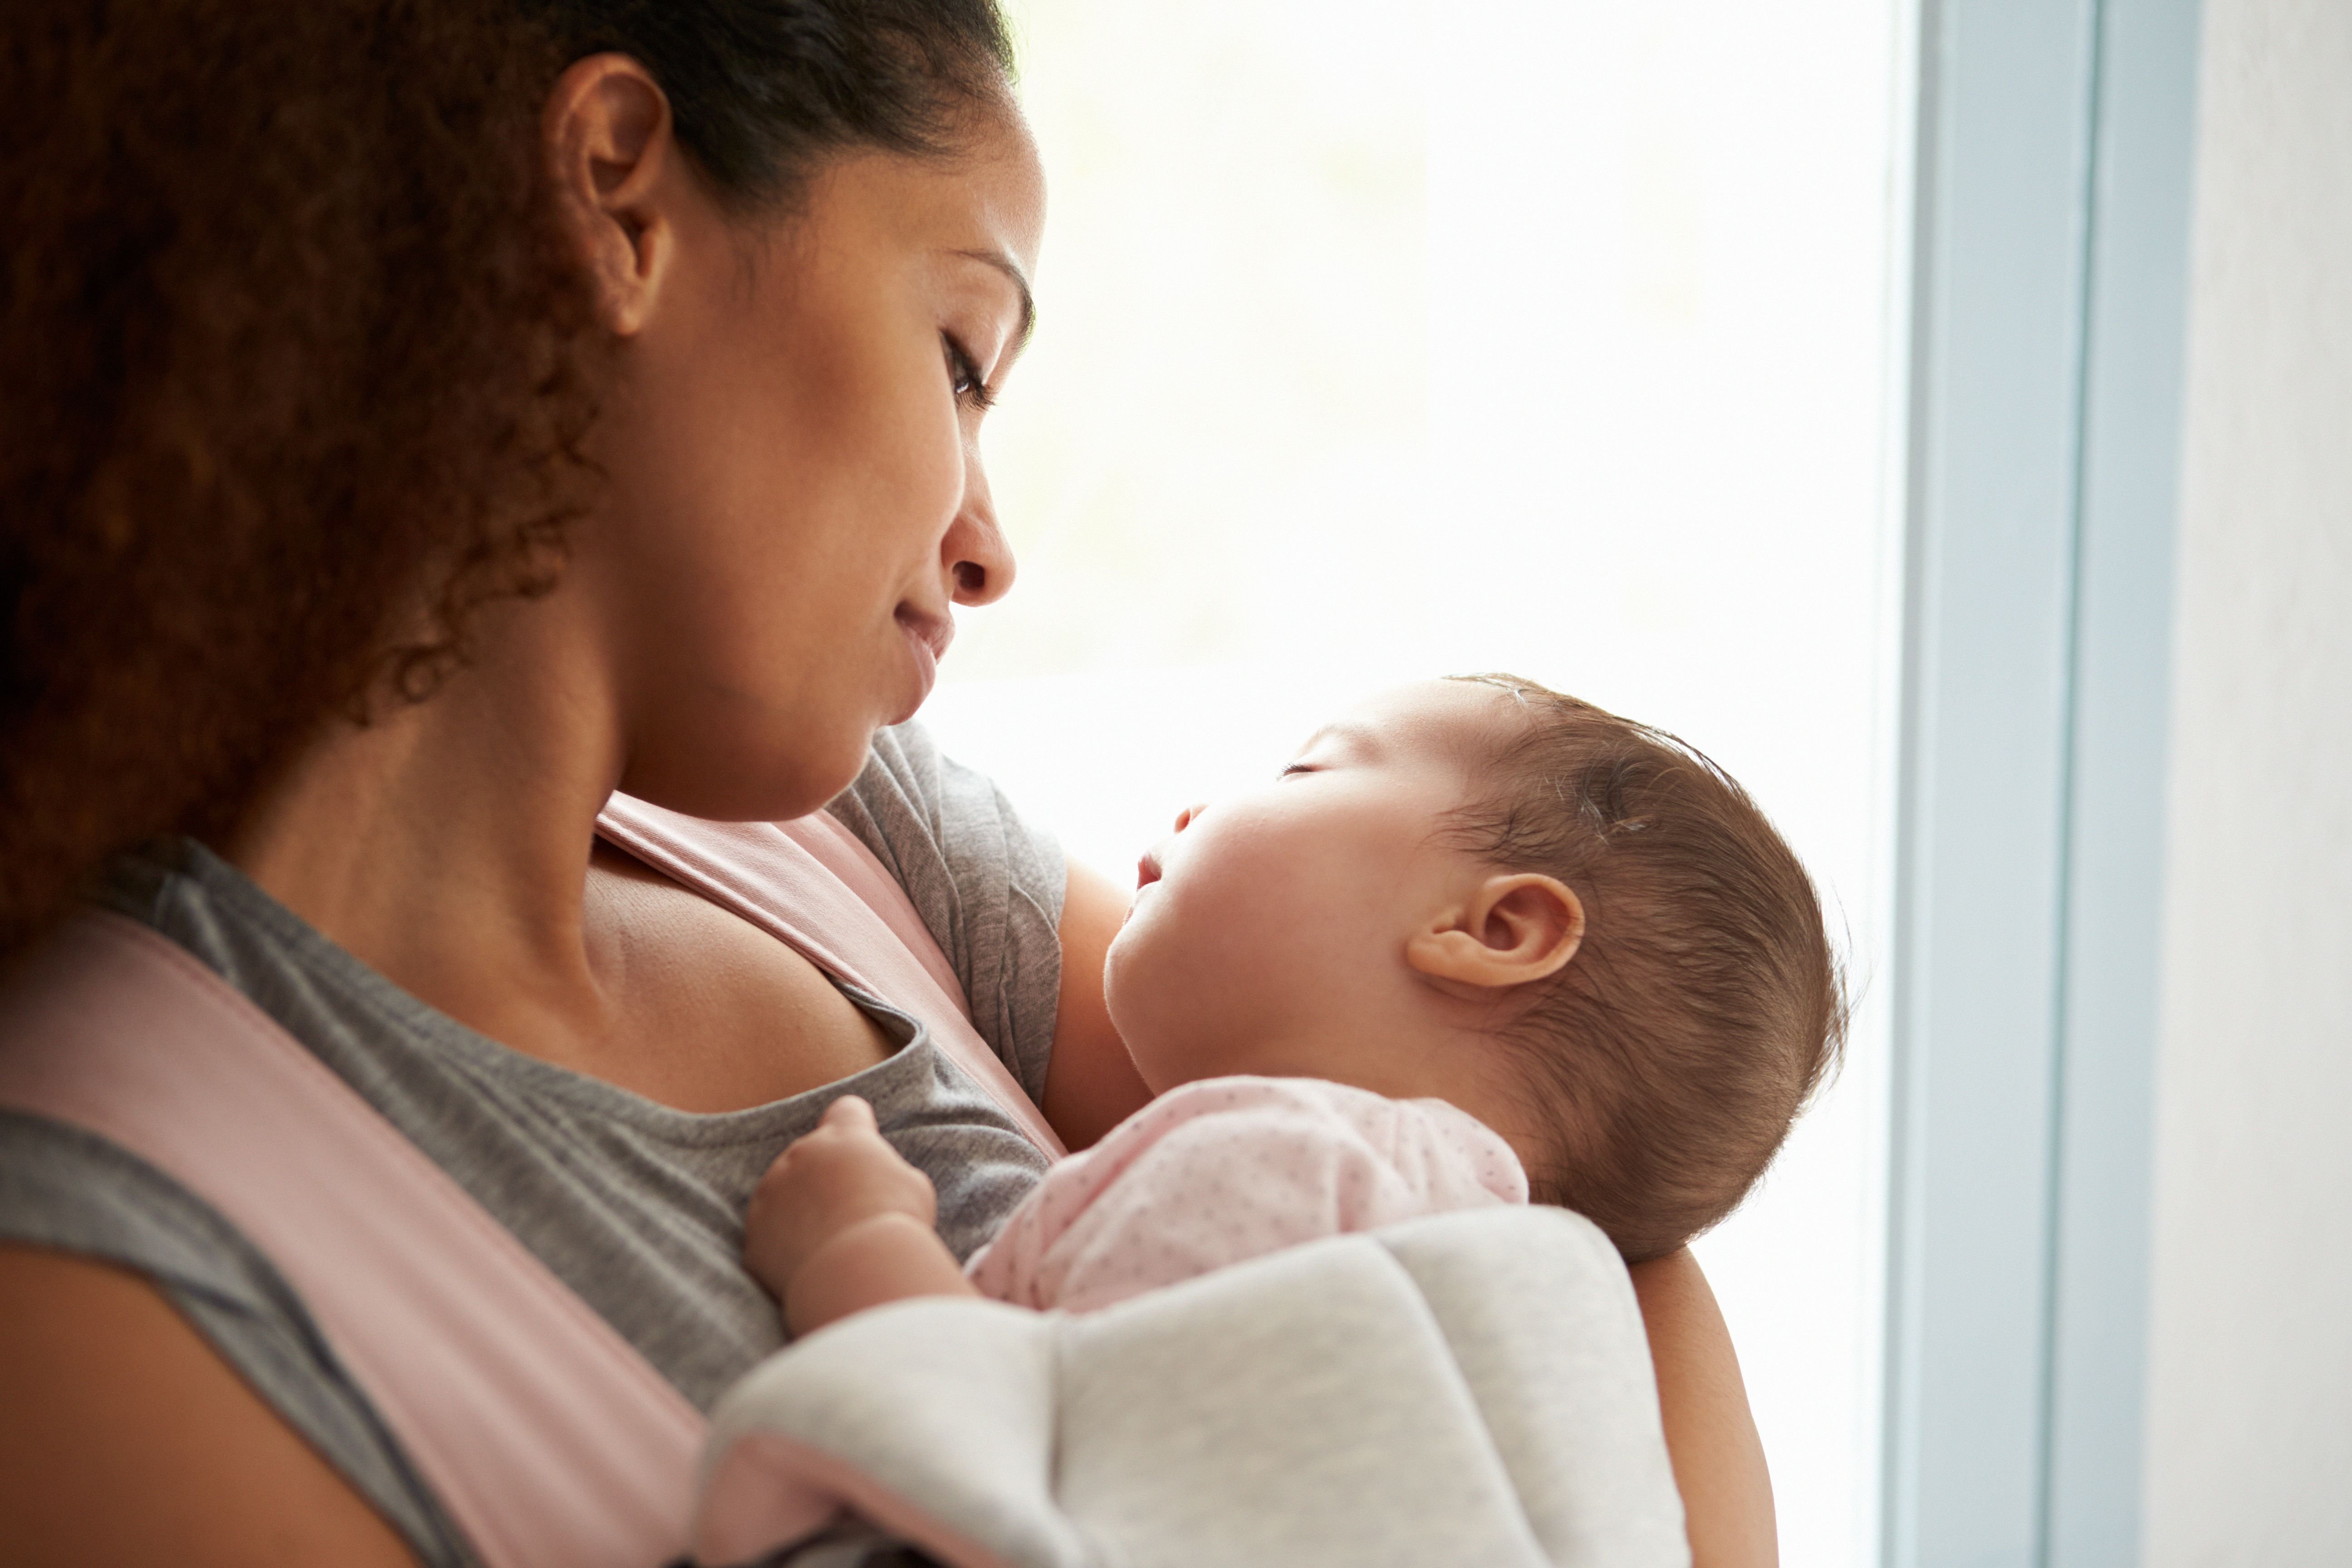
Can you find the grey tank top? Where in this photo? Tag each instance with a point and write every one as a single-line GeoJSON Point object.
{"type": "Point", "coordinates": [636, 1206]}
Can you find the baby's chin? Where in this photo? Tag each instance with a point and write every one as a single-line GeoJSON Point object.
{"type": "Point", "coordinates": [1122, 1000]}
{"type": "Point", "coordinates": [1129, 960]}
{"type": "Point", "coordinates": [1153, 1038]}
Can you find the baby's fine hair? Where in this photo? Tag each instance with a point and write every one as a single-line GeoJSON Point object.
{"type": "Point", "coordinates": [1670, 1057]}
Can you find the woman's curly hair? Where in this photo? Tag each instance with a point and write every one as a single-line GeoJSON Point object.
{"type": "Point", "coordinates": [295, 372]}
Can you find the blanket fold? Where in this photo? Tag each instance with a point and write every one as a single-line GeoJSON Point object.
{"type": "Point", "coordinates": [1470, 1388]}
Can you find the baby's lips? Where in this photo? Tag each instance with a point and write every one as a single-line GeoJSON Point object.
{"type": "Point", "coordinates": [1146, 870]}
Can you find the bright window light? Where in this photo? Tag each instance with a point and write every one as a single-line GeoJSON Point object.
{"type": "Point", "coordinates": [1382, 340]}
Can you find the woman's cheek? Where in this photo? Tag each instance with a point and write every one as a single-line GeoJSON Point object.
{"type": "Point", "coordinates": [916, 441]}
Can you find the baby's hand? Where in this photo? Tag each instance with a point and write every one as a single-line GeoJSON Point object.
{"type": "Point", "coordinates": [840, 1175]}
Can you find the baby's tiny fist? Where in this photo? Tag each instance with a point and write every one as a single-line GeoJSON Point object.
{"type": "Point", "coordinates": [840, 1174]}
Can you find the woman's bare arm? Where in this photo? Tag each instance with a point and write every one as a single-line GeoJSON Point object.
{"type": "Point", "coordinates": [1710, 1433]}
{"type": "Point", "coordinates": [127, 1441]}
{"type": "Point", "coordinates": [1091, 1086]}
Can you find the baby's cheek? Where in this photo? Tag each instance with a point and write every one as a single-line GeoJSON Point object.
{"type": "Point", "coordinates": [1122, 993]}
{"type": "Point", "coordinates": [1151, 990]}
{"type": "Point", "coordinates": [1172, 938]}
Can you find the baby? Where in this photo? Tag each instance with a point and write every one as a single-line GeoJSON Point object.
{"type": "Point", "coordinates": [1479, 943]}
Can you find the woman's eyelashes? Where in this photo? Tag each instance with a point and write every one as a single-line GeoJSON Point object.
{"type": "Point", "coordinates": [964, 375]}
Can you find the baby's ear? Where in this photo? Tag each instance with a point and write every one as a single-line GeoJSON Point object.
{"type": "Point", "coordinates": [1511, 930]}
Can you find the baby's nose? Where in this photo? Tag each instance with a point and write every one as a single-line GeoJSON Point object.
{"type": "Point", "coordinates": [1185, 818]}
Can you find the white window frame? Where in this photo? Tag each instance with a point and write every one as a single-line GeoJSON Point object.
{"type": "Point", "coordinates": [2049, 281]}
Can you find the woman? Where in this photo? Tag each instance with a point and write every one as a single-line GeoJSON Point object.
{"type": "Point", "coordinates": [424, 424]}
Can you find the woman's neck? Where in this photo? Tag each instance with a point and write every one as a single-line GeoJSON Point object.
{"type": "Point", "coordinates": [447, 843]}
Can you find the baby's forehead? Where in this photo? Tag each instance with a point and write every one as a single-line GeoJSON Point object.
{"type": "Point", "coordinates": [1447, 717]}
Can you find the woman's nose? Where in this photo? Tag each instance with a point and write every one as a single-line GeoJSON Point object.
{"type": "Point", "coordinates": [979, 561]}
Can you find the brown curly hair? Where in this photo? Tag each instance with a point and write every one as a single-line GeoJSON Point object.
{"type": "Point", "coordinates": [296, 371]}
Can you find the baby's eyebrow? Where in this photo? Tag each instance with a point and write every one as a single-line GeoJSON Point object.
{"type": "Point", "coordinates": [1359, 736]}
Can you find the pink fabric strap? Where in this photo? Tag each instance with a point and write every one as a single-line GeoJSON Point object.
{"type": "Point", "coordinates": [550, 1441]}
{"type": "Point", "coordinates": [795, 879]}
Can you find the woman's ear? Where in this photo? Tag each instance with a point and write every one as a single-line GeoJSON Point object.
{"type": "Point", "coordinates": [613, 155]}
{"type": "Point", "coordinates": [1512, 930]}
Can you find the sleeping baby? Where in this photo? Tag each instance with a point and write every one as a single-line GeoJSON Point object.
{"type": "Point", "coordinates": [1479, 943]}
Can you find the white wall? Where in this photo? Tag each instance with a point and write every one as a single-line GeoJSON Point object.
{"type": "Point", "coordinates": [2249, 1415]}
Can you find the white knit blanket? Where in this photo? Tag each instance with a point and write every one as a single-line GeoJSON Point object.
{"type": "Point", "coordinates": [1473, 1388]}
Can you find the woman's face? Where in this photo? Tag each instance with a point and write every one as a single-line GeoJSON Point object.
{"type": "Point", "coordinates": [795, 495]}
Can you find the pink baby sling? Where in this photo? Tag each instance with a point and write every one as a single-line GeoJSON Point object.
{"type": "Point", "coordinates": [547, 1438]}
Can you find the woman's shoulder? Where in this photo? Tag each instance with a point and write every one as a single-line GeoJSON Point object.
{"type": "Point", "coordinates": [923, 813]}
{"type": "Point", "coordinates": [988, 884]}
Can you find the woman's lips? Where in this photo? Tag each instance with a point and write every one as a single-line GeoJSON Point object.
{"type": "Point", "coordinates": [928, 636]}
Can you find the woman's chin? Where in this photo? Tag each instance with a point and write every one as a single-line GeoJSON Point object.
{"type": "Point", "coordinates": [728, 780]}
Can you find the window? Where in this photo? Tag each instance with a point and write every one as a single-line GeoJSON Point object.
{"type": "Point", "coordinates": [1384, 339]}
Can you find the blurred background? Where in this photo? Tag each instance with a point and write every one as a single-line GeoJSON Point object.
{"type": "Point", "coordinates": [1379, 340]}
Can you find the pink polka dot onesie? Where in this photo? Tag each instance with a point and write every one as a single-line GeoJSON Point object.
{"type": "Point", "coordinates": [1228, 1168]}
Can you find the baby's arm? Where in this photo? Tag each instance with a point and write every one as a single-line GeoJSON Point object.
{"type": "Point", "coordinates": [840, 1223]}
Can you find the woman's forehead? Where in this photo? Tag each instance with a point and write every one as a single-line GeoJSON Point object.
{"type": "Point", "coordinates": [1003, 175]}
{"type": "Point", "coordinates": [986, 198]}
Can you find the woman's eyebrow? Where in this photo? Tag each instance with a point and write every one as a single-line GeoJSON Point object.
{"type": "Point", "coordinates": [1012, 269]}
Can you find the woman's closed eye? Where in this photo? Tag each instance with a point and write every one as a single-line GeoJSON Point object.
{"type": "Point", "coordinates": [964, 375]}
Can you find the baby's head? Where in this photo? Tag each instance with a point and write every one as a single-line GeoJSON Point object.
{"type": "Point", "coordinates": [1571, 926]}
